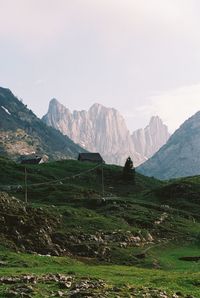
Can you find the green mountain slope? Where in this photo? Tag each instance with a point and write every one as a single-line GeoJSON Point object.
{"type": "Point", "coordinates": [133, 236]}
{"type": "Point", "coordinates": [148, 209]}
{"type": "Point", "coordinates": [21, 132]}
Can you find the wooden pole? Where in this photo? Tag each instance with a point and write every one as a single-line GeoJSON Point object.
{"type": "Point", "coordinates": [25, 182]}
{"type": "Point", "coordinates": [102, 179]}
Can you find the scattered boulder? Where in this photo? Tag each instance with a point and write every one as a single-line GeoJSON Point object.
{"type": "Point", "coordinates": [71, 286]}
{"type": "Point", "coordinates": [26, 228]}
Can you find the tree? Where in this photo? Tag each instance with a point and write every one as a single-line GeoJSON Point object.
{"type": "Point", "coordinates": [129, 170]}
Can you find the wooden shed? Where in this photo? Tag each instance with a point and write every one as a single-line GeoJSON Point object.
{"type": "Point", "coordinates": [91, 157]}
{"type": "Point", "coordinates": [32, 160]}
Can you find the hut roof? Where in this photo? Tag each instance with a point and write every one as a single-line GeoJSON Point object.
{"type": "Point", "coordinates": [93, 157]}
{"type": "Point", "coordinates": [32, 160]}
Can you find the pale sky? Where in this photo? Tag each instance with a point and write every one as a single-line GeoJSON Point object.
{"type": "Point", "coordinates": [141, 57]}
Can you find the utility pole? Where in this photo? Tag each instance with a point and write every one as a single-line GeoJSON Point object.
{"type": "Point", "coordinates": [25, 182]}
{"type": "Point", "coordinates": [102, 179]}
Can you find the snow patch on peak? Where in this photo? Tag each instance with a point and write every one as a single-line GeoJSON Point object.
{"type": "Point", "coordinates": [6, 110]}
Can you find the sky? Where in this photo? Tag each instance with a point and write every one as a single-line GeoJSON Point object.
{"type": "Point", "coordinates": [141, 57]}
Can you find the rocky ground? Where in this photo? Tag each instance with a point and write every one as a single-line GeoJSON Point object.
{"type": "Point", "coordinates": [35, 230]}
{"type": "Point", "coordinates": [27, 286]}
{"type": "Point", "coordinates": [45, 230]}
{"type": "Point", "coordinates": [25, 228]}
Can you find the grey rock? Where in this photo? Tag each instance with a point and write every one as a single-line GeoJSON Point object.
{"type": "Point", "coordinates": [104, 130]}
{"type": "Point", "coordinates": [149, 140]}
{"type": "Point", "coordinates": [179, 157]}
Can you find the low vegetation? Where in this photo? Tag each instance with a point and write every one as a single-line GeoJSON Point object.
{"type": "Point", "coordinates": [118, 238]}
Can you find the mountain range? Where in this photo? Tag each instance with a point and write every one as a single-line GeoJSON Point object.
{"type": "Point", "coordinates": [61, 238]}
{"type": "Point", "coordinates": [99, 129]}
{"type": "Point", "coordinates": [22, 133]}
{"type": "Point", "coordinates": [104, 130]}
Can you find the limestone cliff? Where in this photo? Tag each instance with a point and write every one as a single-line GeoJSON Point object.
{"type": "Point", "coordinates": [103, 130]}
{"type": "Point", "coordinates": [100, 129]}
{"type": "Point", "coordinates": [149, 140]}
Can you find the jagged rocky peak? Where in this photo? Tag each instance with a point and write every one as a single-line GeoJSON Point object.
{"type": "Point", "coordinates": [104, 130]}
{"type": "Point", "coordinates": [155, 120]}
{"type": "Point", "coordinates": [150, 139]}
{"type": "Point", "coordinates": [22, 133]}
{"type": "Point", "coordinates": [98, 108]}
{"type": "Point", "coordinates": [158, 128]}
{"type": "Point", "coordinates": [56, 107]}
{"type": "Point", "coordinates": [100, 129]}
{"type": "Point", "coordinates": [105, 112]}
{"type": "Point", "coordinates": [54, 101]}
{"type": "Point", "coordinates": [180, 155]}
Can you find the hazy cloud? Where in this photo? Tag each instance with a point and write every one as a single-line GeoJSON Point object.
{"type": "Point", "coordinates": [174, 106]}
{"type": "Point", "coordinates": [139, 56]}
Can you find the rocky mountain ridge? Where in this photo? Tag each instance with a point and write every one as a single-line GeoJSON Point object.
{"type": "Point", "coordinates": [22, 133]}
{"type": "Point", "coordinates": [150, 139]}
{"type": "Point", "coordinates": [102, 129]}
{"type": "Point", "coordinates": [179, 157]}
{"type": "Point", "coordinates": [98, 130]}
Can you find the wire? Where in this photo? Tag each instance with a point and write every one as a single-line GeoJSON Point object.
{"type": "Point", "coordinates": [55, 180]}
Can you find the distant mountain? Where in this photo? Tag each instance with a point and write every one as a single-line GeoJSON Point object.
{"type": "Point", "coordinates": [149, 140]}
{"type": "Point", "coordinates": [22, 133]}
{"type": "Point", "coordinates": [104, 130]}
{"type": "Point", "coordinates": [100, 129]}
{"type": "Point", "coordinates": [180, 156]}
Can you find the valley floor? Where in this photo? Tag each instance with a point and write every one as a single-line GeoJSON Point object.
{"type": "Point", "coordinates": [141, 239]}
{"type": "Point", "coordinates": [27, 275]}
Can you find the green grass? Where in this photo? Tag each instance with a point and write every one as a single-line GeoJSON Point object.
{"type": "Point", "coordinates": [87, 184]}
{"type": "Point", "coordinates": [125, 207]}
{"type": "Point", "coordinates": [178, 278]}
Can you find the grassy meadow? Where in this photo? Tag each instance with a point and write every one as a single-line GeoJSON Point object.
{"type": "Point", "coordinates": [162, 217]}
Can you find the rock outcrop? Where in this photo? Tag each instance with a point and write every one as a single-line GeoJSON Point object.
{"type": "Point", "coordinates": [22, 133]}
{"type": "Point", "coordinates": [24, 228]}
{"type": "Point", "coordinates": [104, 130]}
{"type": "Point", "coordinates": [74, 286]}
{"type": "Point", "coordinates": [179, 157]}
{"type": "Point", "coordinates": [149, 140]}
{"type": "Point", "coordinates": [100, 129]}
